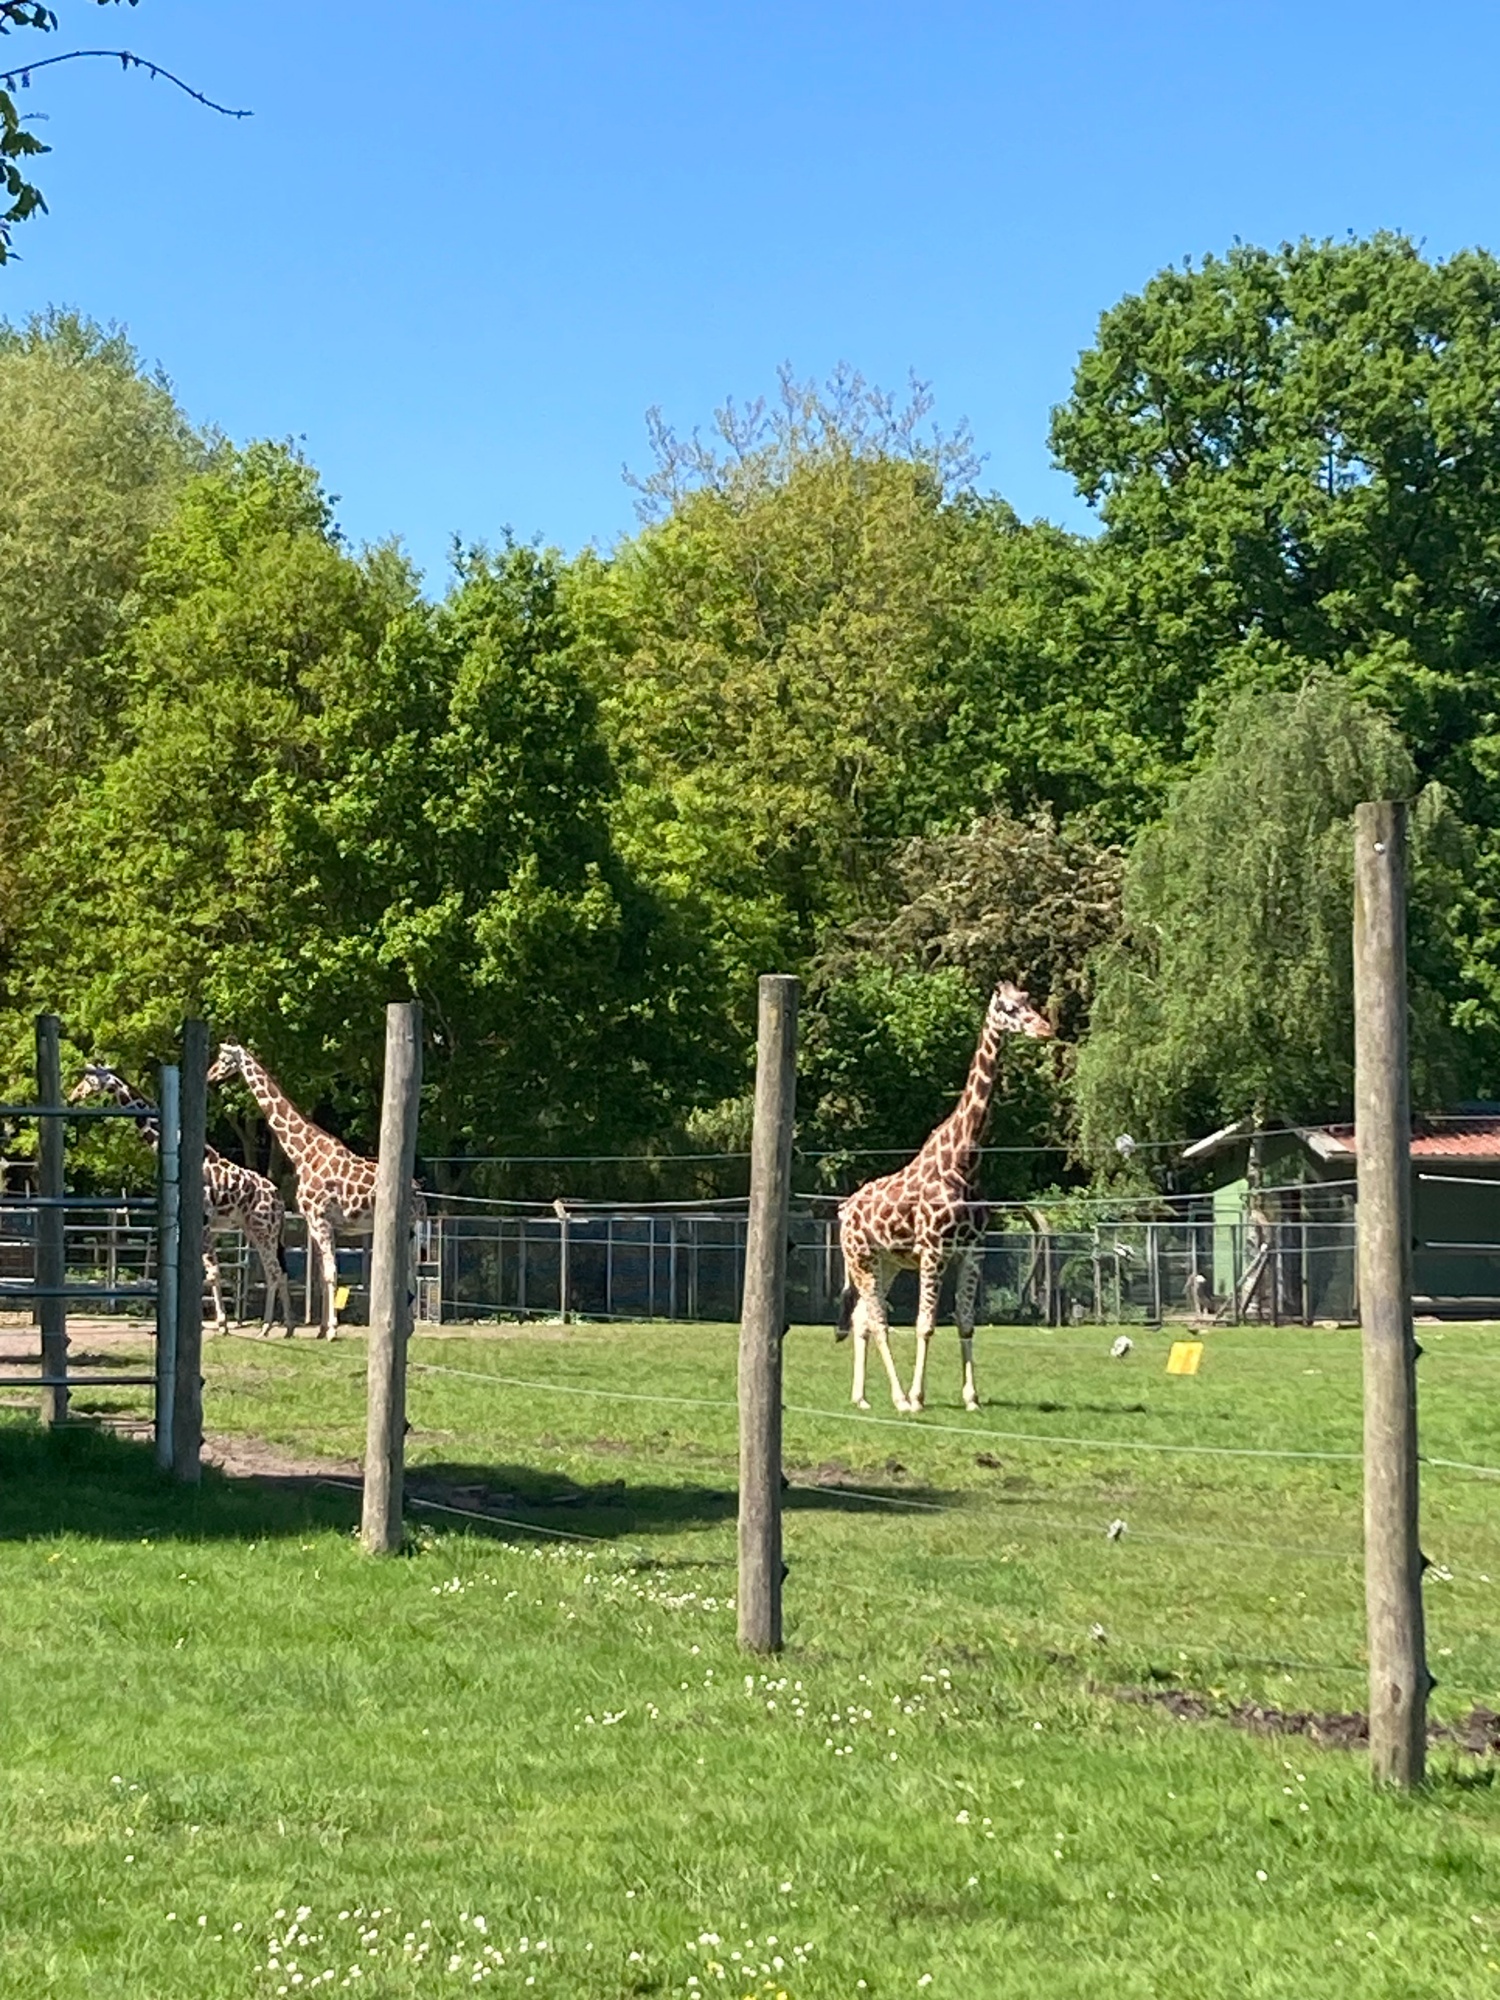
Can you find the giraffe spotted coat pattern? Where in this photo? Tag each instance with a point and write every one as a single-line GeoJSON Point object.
{"type": "Point", "coordinates": [234, 1197]}
{"type": "Point", "coordinates": [927, 1216]}
{"type": "Point", "coordinates": [335, 1188]}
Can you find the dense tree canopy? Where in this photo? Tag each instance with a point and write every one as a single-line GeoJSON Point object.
{"type": "Point", "coordinates": [1230, 990]}
{"type": "Point", "coordinates": [832, 709]}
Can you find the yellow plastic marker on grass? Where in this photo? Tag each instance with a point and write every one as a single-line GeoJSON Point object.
{"type": "Point", "coordinates": [1184, 1357]}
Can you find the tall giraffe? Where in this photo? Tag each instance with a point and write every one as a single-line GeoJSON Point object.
{"type": "Point", "coordinates": [234, 1197]}
{"type": "Point", "coordinates": [926, 1216]}
{"type": "Point", "coordinates": [335, 1188]}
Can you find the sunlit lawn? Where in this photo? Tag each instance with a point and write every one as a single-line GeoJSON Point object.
{"type": "Point", "coordinates": [537, 1756]}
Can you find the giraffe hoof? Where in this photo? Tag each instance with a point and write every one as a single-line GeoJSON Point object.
{"type": "Point", "coordinates": [861, 1403]}
{"type": "Point", "coordinates": [971, 1403]}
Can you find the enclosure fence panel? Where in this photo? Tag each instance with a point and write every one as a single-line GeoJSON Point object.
{"type": "Point", "coordinates": [1288, 1259]}
{"type": "Point", "coordinates": [630, 1263]}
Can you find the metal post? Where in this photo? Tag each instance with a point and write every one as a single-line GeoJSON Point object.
{"type": "Point", "coordinates": [651, 1267]}
{"type": "Point", "coordinates": [763, 1317]}
{"type": "Point", "coordinates": [167, 1163]}
{"type": "Point", "coordinates": [51, 1256]}
{"type": "Point", "coordinates": [559, 1209]}
{"type": "Point", "coordinates": [672, 1268]}
{"type": "Point", "coordinates": [390, 1282]}
{"type": "Point", "coordinates": [187, 1400]}
{"type": "Point", "coordinates": [1153, 1271]}
{"type": "Point", "coordinates": [1399, 1681]}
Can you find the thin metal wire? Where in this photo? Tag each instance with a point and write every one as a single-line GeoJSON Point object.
{"type": "Point", "coordinates": [923, 1424]}
{"type": "Point", "coordinates": [499, 1520]}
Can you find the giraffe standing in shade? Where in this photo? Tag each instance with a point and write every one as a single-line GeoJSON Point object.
{"type": "Point", "coordinates": [927, 1216]}
{"type": "Point", "coordinates": [234, 1197]}
{"type": "Point", "coordinates": [335, 1188]}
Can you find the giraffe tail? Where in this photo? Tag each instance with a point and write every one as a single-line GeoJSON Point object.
{"type": "Point", "coordinates": [846, 1312]}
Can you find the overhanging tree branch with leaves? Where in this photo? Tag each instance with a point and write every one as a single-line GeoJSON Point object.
{"type": "Point", "coordinates": [23, 198]}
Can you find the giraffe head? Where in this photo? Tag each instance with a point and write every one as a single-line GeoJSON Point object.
{"type": "Point", "coordinates": [1014, 1013]}
{"type": "Point", "coordinates": [230, 1061]}
{"type": "Point", "coordinates": [98, 1080]}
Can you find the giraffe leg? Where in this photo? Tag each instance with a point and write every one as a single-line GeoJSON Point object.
{"type": "Point", "coordinates": [320, 1238]}
{"type": "Point", "coordinates": [861, 1355]}
{"type": "Point", "coordinates": [879, 1328]}
{"type": "Point", "coordinates": [215, 1289]}
{"type": "Point", "coordinates": [275, 1279]}
{"type": "Point", "coordinates": [967, 1293]}
{"type": "Point", "coordinates": [927, 1310]}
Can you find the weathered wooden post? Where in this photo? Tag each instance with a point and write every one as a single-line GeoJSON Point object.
{"type": "Point", "coordinates": [763, 1317]}
{"type": "Point", "coordinates": [391, 1281]}
{"type": "Point", "coordinates": [187, 1392]}
{"type": "Point", "coordinates": [1399, 1680]}
{"type": "Point", "coordinates": [168, 1162]}
{"type": "Point", "coordinates": [51, 1218]}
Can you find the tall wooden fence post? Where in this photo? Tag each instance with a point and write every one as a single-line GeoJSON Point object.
{"type": "Point", "coordinates": [763, 1316]}
{"type": "Point", "coordinates": [187, 1370]}
{"type": "Point", "coordinates": [168, 1164]}
{"type": "Point", "coordinates": [391, 1281]}
{"type": "Point", "coordinates": [1399, 1679]}
{"type": "Point", "coordinates": [51, 1217]}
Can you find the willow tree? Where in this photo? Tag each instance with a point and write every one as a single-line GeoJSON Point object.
{"type": "Point", "coordinates": [1230, 991]}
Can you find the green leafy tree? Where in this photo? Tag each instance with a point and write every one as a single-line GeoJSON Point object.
{"type": "Point", "coordinates": [324, 793]}
{"type": "Point", "coordinates": [770, 658]}
{"type": "Point", "coordinates": [1012, 896]}
{"type": "Point", "coordinates": [93, 454]}
{"type": "Point", "coordinates": [1231, 989]}
{"type": "Point", "coordinates": [1296, 457]}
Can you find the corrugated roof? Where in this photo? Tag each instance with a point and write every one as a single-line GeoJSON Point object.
{"type": "Point", "coordinates": [1452, 1139]}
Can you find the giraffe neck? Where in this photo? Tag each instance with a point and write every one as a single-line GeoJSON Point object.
{"type": "Point", "coordinates": [117, 1088]}
{"type": "Point", "coordinates": [957, 1140]}
{"type": "Point", "coordinates": [297, 1136]}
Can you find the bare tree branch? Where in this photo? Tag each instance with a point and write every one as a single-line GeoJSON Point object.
{"type": "Point", "coordinates": [20, 78]}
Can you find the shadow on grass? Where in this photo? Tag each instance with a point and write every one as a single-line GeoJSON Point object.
{"type": "Point", "coordinates": [88, 1482]}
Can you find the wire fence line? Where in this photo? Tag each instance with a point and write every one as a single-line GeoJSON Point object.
{"type": "Point", "coordinates": [924, 1424]}
{"type": "Point", "coordinates": [1285, 1256]}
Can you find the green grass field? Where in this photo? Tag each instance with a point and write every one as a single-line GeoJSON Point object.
{"type": "Point", "coordinates": [240, 1759]}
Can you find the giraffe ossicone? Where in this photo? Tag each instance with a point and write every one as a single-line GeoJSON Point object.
{"type": "Point", "coordinates": [234, 1197]}
{"type": "Point", "coordinates": [335, 1187]}
{"type": "Point", "coordinates": [926, 1216]}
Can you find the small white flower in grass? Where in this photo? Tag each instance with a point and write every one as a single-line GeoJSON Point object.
{"type": "Point", "coordinates": [1260, 1874]}
{"type": "Point", "coordinates": [785, 1890]}
{"type": "Point", "coordinates": [925, 1980]}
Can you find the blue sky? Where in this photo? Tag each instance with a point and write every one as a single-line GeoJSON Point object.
{"type": "Point", "coordinates": [464, 244]}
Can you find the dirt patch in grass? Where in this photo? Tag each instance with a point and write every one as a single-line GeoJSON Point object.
{"type": "Point", "coordinates": [1479, 1731]}
{"type": "Point", "coordinates": [257, 1458]}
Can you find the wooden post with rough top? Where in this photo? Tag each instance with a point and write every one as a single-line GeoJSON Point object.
{"type": "Point", "coordinates": [390, 1283]}
{"type": "Point", "coordinates": [168, 1160]}
{"type": "Point", "coordinates": [763, 1317]}
{"type": "Point", "coordinates": [187, 1388]}
{"type": "Point", "coordinates": [51, 1251]}
{"type": "Point", "coordinates": [1399, 1680]}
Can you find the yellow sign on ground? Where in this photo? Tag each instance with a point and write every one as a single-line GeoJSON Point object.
{"type": "Point", "coordinates": [1185, 1356]}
